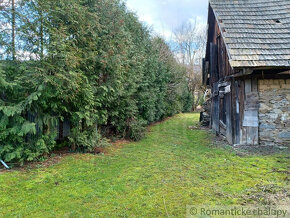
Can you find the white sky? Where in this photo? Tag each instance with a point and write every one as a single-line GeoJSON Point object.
{"type": "Point", "coordinates": [166, 15]}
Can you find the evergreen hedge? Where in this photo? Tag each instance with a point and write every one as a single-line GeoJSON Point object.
{"type": "Point", "coordinates": [90, 61]}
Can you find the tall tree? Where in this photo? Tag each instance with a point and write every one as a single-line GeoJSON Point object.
{"type": "Point", "coordinates": [100, 69]}
{"type": "Point", "coordinates": [13, 25]}
{"type": "Point", "coordinates": [191, 40]}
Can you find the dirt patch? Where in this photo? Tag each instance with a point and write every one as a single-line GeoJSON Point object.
{"type": "Point", "coordinates": [268, 195]}
{"type": "Point", "coordinates": [54, 158]}
{"type": "Point", "coordinates": [116, 146]}
{"type": "Point", "coordinates": [57, 156]}
{"type": "Point", "coordinates": [158, 122]}
{"type": "Point", "coordinates": [99, 151]}
{"type": "Point", "coordinates": [120, 143]}
{"type": "Point", "coordinates": [198, 127]}
{"type": "Point", "coordinates": [244, 150]}
{"type": "Point", "coordinates": [261, 150]}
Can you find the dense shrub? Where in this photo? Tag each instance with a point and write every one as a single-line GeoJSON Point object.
{"type": "Point", "coordinates": [136, 129]}
{"type": "Point", "coordinates": [90, 61]}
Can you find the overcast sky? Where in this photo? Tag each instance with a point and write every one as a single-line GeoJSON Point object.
{"type": "Point", "coordinates": [166, 15]}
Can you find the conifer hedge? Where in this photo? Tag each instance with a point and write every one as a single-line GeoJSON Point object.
{"type": "Point", "coordinates": [90, 61]}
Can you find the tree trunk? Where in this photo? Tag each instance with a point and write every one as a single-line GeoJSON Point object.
{"type": "Point", "coordinates": [193, 96]}
{"type": "Point", "coordinates": [41, 36]}
{"type": "Point", "coordinates": [13, 30]}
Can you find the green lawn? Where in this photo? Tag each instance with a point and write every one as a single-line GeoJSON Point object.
{"type": "Point", "coordinates": [158, 176]}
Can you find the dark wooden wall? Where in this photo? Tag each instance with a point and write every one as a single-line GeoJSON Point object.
{"type": "Point", "coordinates": [223, 117]}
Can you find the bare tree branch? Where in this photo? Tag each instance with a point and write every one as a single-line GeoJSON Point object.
{"type": "Point", "coordinates": [191, 40]}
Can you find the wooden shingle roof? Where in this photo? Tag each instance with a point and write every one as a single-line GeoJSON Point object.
{"type": "Point", "coordinates": [256, 32]}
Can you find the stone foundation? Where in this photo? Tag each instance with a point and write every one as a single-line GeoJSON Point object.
{"type": "Point", "coordinates": [274, 112]}
{"type": "Point", "coordinates": [205, 116]}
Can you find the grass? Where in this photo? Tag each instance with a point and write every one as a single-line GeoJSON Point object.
{"type": "Point", "coordinates": [158, 176]}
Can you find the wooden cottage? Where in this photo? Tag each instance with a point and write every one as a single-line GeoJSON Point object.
{"type": "Point", "coordinates": [247, 67]}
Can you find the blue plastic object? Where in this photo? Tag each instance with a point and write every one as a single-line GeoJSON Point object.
{"type": "Point", "coordinates": [4, 164]}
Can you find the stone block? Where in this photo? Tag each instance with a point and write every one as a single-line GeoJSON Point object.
{"type": "Point", "coordinates": [266, 82]}
{"type": "Point", "coordinates": [277, 111]}
{"type": "Point", "coordinates": [284, 135]}
{"type": "Point", "coordinates": [264, 87]}
{"type": "Point", "coordinates": [270, 81]}
{"type": "Point", "coordinates": [276, 82]}
{"type": "Point", "coordinates": [282, 81]}
{"type": "Point", "coordinates": [261, 89]}
{"type": "Point", "coordinates": [275, 86]}
{"type": "Point", "coordinates": [264, 108]}
{"type": "Point", "coordinates": [285, 86]}
{"type": "Point", "coordinates": [267, 126]}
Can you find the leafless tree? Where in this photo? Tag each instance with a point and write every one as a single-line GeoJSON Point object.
{"type": "Point", "coordinates": [190, 39]}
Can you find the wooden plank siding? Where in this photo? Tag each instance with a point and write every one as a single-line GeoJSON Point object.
{"type": "Point", "coordinates": [250, 130]}
{"type": "Point", "coordinates": [236, 113]}
{"type": "Point", "coordinates": [215, 108]}
{"type": "Point", "coordinates": [219, 70]}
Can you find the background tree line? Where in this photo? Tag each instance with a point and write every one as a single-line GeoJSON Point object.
{"type": "Point", "coordinates": [190, 44]}
{"type": "Point", "coordinates": [89, 61]}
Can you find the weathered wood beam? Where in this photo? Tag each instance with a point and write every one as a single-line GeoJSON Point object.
{"type": "Point", "coordinates": [243, 72]}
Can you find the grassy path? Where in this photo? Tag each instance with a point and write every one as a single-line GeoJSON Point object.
{"type": "Point", "coordinates": [171, 167]}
